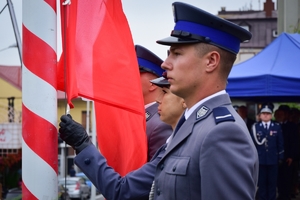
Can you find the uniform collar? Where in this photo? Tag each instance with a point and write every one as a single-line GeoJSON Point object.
{"type": "Point", "coordinates": [188, 112]}
{"type": "Point", "coordinates": [268, 123]}
{"type": "Point", "coordinates": [149, 104]}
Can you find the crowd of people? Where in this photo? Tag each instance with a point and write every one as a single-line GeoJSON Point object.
{"type": "Point", "coordinates": [277, 138]}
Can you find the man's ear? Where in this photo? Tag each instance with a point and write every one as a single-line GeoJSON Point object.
{"type": "Point", "coordinates": [184, 105]}
{"type": "Point", "coordinates": [152, 87]}
{"type": "Point", "coordinates": [213, 61]}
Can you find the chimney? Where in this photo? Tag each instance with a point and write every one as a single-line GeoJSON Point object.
{"type": "Point", "coordinates": [268, 7]}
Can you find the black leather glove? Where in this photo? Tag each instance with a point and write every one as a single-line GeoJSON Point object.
{"type": "Point", "coordinates": [73, 133]}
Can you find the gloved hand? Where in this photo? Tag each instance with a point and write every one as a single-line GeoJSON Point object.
{"type": "Point", "coordinates": [73, 133]}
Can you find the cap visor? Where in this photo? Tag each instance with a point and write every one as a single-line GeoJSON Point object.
{"type": "Point", "coordinates": [160, 82]}
{"type": "Point", "coordinates": [175, 40]}
{"type": "Point", "coordinates": [266, 110]}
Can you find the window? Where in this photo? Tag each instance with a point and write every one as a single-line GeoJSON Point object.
{"type": "Point", "coordinates": [247, 27]}
{"type": "Point", "coordinates": [275, 33]}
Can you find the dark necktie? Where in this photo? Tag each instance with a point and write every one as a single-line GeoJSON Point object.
{"type": "Point", "coordinates": [266, 126]}
{"type": "Point", "coordinates": [181, 121]}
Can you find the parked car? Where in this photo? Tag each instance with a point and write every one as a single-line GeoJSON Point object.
{"type": "Point", "coordinates": [87, 180]}
{"type": "Point", "coordinates": [14, 194]}
{"type": "Point", "coordinates": [63, 193]}
{"type": "Point", "coordinates": [76, 187]}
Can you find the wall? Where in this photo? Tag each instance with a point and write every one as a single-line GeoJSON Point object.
{"type": "Point", "coordinates": [288, 15]}
{"type": "Point", "coordinates": [6, 91]}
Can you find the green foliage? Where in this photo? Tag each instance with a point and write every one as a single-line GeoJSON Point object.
{"type": "Point", "coordinates": [291, 105]}
{"type": "Point", "coordinates": [296, 28]}
{"type": "Point", "coordinates": [11, 177]}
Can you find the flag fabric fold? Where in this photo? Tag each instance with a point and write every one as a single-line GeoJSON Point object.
{"type": "Point", "coordinates": [99, 63]}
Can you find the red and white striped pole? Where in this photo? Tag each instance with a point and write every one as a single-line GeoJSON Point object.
{"type": "Point", "coordinates": [39, 100]}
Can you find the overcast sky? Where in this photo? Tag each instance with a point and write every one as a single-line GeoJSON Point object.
{"type": "Point", "coordinates": [149, 21]}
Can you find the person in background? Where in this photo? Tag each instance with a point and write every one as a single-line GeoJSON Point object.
{"type": "Point", "coordinates": [267, 137]}
{"type": "Point", "coordinates": [211, 155]}
{"type": "Point", "coordinates": [136, 184]}
{"type": "Point", "coordinates": [243, 112]}
{"type": "Point", "coordinates": [289, 166]}
{"type": "Point", "coordinates": [157, 131]}
{"type": "Point", "coordinates": [72, 171]}
{"type": "Point", "coordinates": [295, 118]}
{"type": "Point", "coordinates": [236, 108]}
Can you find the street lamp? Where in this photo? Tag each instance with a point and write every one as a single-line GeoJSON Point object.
{"type": "Point", "coordinates": [15, 27]}
{"type": "Point", "coordinates": [10, 46]}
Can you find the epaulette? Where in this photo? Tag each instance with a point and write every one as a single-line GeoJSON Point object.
{"type": "Point", "coordinates": [222, 114]}
{"type": "Point", "coordinates": [273, 123]}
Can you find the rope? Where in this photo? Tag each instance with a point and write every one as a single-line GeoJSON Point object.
{"type": "Point", "coordinates": [255, 137]}
{"type": "Point", "coordinates": [151, 194]}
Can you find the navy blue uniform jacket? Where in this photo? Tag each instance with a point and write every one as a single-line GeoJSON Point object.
{"type": "Point", "coordinates": [135, 185]}
{"type": "Point", "coordinates": [272, 149]}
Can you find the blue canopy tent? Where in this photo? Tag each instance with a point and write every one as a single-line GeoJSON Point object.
{"type": "Point", "coordinates": [272, 75]}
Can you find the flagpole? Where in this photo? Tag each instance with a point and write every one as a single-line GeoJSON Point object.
{"type": "Point", "coordinates": [94, 140]}
{"type": "Point", "coordinates": [39, 100]}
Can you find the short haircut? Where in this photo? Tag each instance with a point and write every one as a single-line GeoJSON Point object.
{"type": "Point", "coordinates": [226, 58]}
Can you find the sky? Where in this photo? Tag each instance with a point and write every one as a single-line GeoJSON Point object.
{"type": "Point", "coordinates": [149, 20]}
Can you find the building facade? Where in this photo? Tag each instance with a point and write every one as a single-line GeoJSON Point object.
{"type": "Point", "coordinates": [261, 23]}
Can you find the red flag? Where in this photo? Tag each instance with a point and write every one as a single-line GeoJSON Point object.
{"type": "Point", "coordinates": [101, 65]}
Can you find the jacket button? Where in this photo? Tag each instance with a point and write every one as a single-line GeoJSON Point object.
{"type": "Point", "coordinates": [87, 161]}
{"type": "Point", "coordinates": [158, 192]}
{"type": "Point", "coordinates": [162, 166]}
{"type": "Point", "coordinates": [174, 168]}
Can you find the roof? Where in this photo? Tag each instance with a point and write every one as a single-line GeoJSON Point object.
{"type": "Point", "coordinates": [240, 15]}
{"type": "Point", "coordinates": [12, 75]}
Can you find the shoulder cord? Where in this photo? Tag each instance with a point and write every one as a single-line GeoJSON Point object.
{"type": "Point", "coordinates": [151, 194]}
{"type": "Point", "coordinates": [255, 137]}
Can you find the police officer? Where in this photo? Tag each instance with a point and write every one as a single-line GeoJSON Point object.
{"type": "Point", "coordinates": [267, 136]}
{"type": "Point", "coordinates": [136, 184]}
{"type": "Point", "coordinates": [157, 131]}
{"type": "Point", "coordinates": [211, 155]}
{"type": "Point", "coordinates": [243, 112]}
{"type": "Point", "coordinates": [288, 168]}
